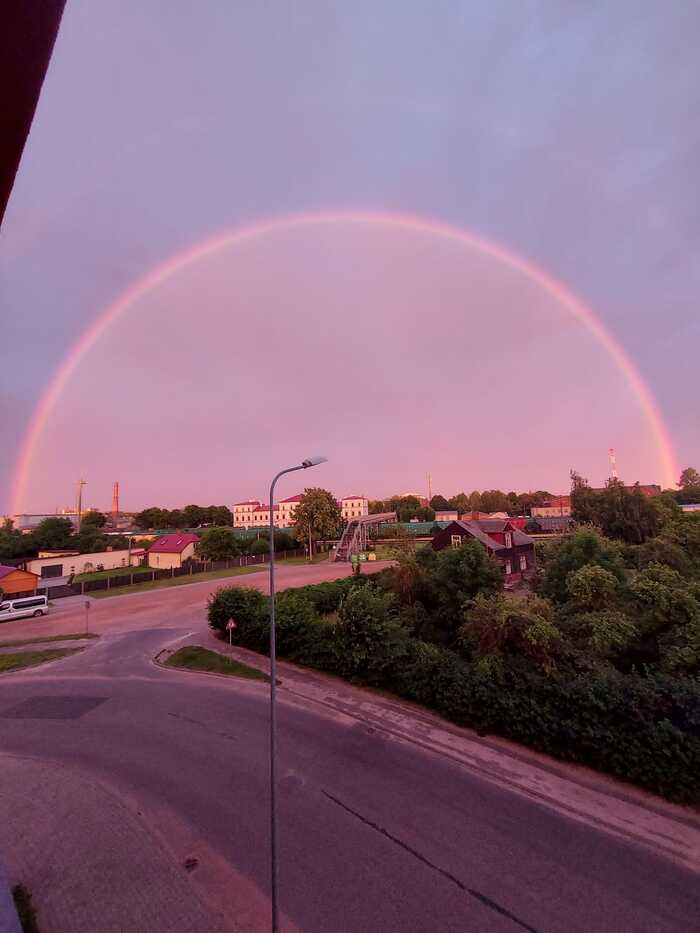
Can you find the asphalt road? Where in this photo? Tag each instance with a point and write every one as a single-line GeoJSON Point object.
{"type": "Point", "coordinates": [375, 834]}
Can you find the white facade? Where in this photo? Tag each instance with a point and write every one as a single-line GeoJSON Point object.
{"type": "Point", "coordinates": [63, 565]}
{"type": "Point", "coordinates": [354, 507]}
{"type": "Point", "coordinates": [243, 513]}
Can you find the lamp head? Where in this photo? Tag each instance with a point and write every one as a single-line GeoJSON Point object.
{"type": "Point", "coordinates": [313, 461]}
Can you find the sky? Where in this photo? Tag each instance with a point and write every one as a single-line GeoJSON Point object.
{"type": "Point", "coordinates": [563, 133]}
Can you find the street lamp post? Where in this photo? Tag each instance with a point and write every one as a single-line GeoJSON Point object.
{"type": "Point", "coordinates": [304, 465]}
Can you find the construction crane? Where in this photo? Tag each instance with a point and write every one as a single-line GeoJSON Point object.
{"type": "Point", "coordinates": [613, 463]}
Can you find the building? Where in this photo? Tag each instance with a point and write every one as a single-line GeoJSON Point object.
{"type": "Point", "coordinates": [243, 512]}
{"type": "Point", "coordinates": [67, 563]}
{"type": "Point", "coordinates": [251, 513]}
{"type": "Point", "coordinates": [172, 550]}
{"type": "Point", "coordinates": [557, 506]}
{"type": "Point", "coordinates": [691, 507]}
{"type": "Point", "coordinates": [354, 507]}
{"type": "Point", "coordinates": [17, 582]}
{"type": "Point", "coordinates": [28, 521]}
{"type": "Point", "coordinates": [514, 550]}
{"type": "Point", "coordinates": [446, 515]}
{"type": "Point", "coordinates": [551, 524]}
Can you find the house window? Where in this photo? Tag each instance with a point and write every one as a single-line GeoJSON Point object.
{"type": "Point", "coordinates": [456, 540]}
{"type": "Point", "coordinates": [509, 568]}
{"type": "Point", "coordinates": [509, 539]}
{"type": "Point", "coordinates": [523, 562]}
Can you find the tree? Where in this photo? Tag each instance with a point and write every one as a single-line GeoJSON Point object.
{"type": "Point", "coordinates": [592, 588]}
{"type": "Point", "coordinates": [175, 519]}
{"type": "Point", "coordinates": [220, 515]}
{"type": "Point", "coordinates": [460, 502]}
{"type": "Point", "coordinates": [475, 501]}
{"type": "Point", "coordinates": [53, 533]}
{"type": "Point", "coordinates": [317, 516]}
{"type": "Point", "coordinates": [93, 519]}
{"type": "Point", "coordinates": [377, 506]}
{"type": "Point", "coordinates": [494, 500]}
{"type": "Point", "coordinates": [219, 544]}
{"type": "Point", "coordinates": [585, 546]}
{"type": "Point", "coordinates": [690, 478]}
{"type": "Point", "coordinates": [193, 516]}
{"type": "Point", "coordinates": [439, 503]}
{"type": "Point", "coordinates": [151, 518]}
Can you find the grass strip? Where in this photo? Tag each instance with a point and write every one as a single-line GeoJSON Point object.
{"type": "Point", "coordinates": [73, 636]}
{"type": "Point", "coordinates": [194, 658]}
{"type": "Point", "coordinates": [25, 909]}
{"type": "Point", "coordinates": [185, 580]}
{"type": "Point", "coordinates": [15, 662]}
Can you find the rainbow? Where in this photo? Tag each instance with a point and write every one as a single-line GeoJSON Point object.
{"type": "Point", "coordinates": [260, 229]}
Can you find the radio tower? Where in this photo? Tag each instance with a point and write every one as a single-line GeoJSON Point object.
{"type": "Point", "coordinates": [115, 497]}
{"type": "Point", "coordinates": [79, 502]}
{"type": "Point", "coordinates": [613, 463]}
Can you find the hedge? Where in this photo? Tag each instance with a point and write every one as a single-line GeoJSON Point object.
{"type": "Point", "coordinates": [645, 730]}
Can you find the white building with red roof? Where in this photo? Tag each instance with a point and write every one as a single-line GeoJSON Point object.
{"type": "Point", "coordinates": [251, 513]}
{"type": "Point", "coordinates": [354, 507]}
{"type": "Point", "coordinates": [172, 550]}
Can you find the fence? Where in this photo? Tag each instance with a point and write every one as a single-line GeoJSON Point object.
{"type": "Point", "coordinates": [150, 574]}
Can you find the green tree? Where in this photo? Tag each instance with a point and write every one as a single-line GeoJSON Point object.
{"type": "Point", "coordinates": [317, 516]}
{"type": "Point", "coordinates": [494, 500]}
{"type": "Point", "coordinates": [53, 533]}
{"type": "Point", "coordinates": [377, 506]}
{"type": "Point", "coordinates": [496, 627]}
{"type": "Point", "coordinates": [475, 504]}
{"type": "Point", "coordinates": [585, 546]}
{"type": "Point", "coordinates": [439, 503]}
{"type": "Point", "coordinates": [93, 519]}
{"type": "Point", "coordinates": [592, 587]}
{"type": "Point", "coordinates": [193, 516]}
{"type": "Point", "coordinates": [371, 639]}
{"type": "Point", "coordinates": [175, 518]}
{"type": "Point", "coordinates": [460, 502]}
{"type": "Point", "coordinates": [219, 544]}
{"type": "Point", "coordinates": [151, 518]}
{"type": "Point", "coordinates": [690, 478]}
{"type": "Point", "coordinates": [220, 515]}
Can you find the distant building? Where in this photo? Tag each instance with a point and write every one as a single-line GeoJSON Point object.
{"type": "Point", "coordinates": [514, 550]}
{"type": "Point", "coordinates": [251, 513]}
{"type": "Point", "coordinates": [52, 564]}
{"type": "Point", "coordinates": [354, 507]}
{"type": "Point", "coordinates": [172, 550]}
{"type": "Point", "coordinates": [17, 582]}
{"type": "Point", "coordinates": [446, 515]}
{"type": "Point", "coordinates": [557, 506]}
{"type": "Point", "coordinates": [691, 507]}
{"type": "Point", "coordinates": [28, 521]}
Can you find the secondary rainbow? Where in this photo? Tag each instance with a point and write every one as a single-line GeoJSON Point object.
{"type": "Point", "coordinates": [260, 229]}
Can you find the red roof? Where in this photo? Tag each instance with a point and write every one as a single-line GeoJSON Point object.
{"type": "Point", "coordinates": [6, 571]}
{"type": "Point", "coordinates": [173, 544]}
{"type": "Point", "coordinates": [265, 508]}
{"type": "Point", "coordinates": [297, 498]}
{"type": "Point", "coordinates": [247, 502]}
{"type": "Point", "coordinates": [352, 497]}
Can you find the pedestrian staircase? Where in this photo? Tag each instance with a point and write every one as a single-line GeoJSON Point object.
{"type": "Point", "coordinates": [354, 537]}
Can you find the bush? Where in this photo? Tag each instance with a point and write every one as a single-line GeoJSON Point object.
{"type": "Point", "coordinates": [370, 638]}
{"type": "Point", "coordinates": [294, 618]}
{"type": "Point", "coordinates": [327, 597]}
{"type": "Point", "coordinates": [250, 610]}
{"type": "Point", "coordinates": [584, 547]}
{"type": "Point", "coordinates": [260, 546]}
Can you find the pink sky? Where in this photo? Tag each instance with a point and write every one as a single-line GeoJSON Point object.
{"type": "Point", "coordinates": [391, 351]}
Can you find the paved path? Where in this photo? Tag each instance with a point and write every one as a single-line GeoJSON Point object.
{"type": "Point", "coordinates": [135, 797]}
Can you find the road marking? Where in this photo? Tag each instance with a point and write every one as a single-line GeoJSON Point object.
{"type": "Point", "coordinates": [486, 901]}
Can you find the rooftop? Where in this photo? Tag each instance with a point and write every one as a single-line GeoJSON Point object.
{"type": "Point", "coordinates": [173, 544]}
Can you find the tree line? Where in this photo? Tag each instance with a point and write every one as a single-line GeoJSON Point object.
{"type": "Point", "coordinates": [58, 532]}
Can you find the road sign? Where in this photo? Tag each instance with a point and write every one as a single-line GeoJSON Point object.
{"type": "Point", "coordinates": [231, 624]}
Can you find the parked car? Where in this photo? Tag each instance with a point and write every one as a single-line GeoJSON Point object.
{"type": "Point", "coordinates": [25, 606]}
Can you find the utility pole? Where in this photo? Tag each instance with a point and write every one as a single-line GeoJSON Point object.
{"type": "Point", "coordinates": [430, 488]}
{"type": "Point", "coordinates": [613, 463]}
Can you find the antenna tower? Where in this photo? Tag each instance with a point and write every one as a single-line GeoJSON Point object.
{"type": "Point", "coordinates": [613, 463]}
{"type": "Point", "coordinates": [79, 504]}
{"type": "Point", "coordinates": [115, 497]}
{"type": "Point", "coordinates": [430, 488]}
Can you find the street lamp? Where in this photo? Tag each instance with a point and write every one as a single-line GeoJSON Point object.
{"type": "Point", "coordinates": [304, 465]}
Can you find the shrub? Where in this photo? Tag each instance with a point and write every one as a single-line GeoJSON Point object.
{"type": "Point", "coordinates": [249, 608]}
{"type": "Point", "coordinates": [584, 547]}
{"type": "Point", "coordinates": [260, 546]}
{"type": "Point", "coordinates": [294, 618]}
{"type": "Point", "coordinates": [370, 637]}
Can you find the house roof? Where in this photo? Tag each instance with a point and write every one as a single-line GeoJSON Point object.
{"type": "Point", "coordinates": [265, 508]}
{"type": "Point", "coordinates": [477, 531]}
{"type": "Point", "coordinates": [473, 529]}
{"type": "Point", "coordinates": [247, 502]}
{"type": "Point", "coordinates": [5, 571]}
{"type": "Point", "coordinates": [296, 498]}
{"type": "Point", "coordinates": [173, 544]}
{"type": "Point", "coordinates": [352, 497]}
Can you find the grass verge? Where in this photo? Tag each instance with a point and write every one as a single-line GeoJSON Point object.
{"type": "Point", "coordinates": [194, 658]}
{"type": "Point", "coordinates": [15, 662]}
{"type": "Point", "coordinates": [167, 582]}
{"type": "Point", "coordinates": [74, 636]}
{"type": "Point", "coordinates": [25, 909]}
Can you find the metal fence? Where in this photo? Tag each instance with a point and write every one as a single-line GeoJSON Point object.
{"type": "Point", "coordinates": [149, 574]}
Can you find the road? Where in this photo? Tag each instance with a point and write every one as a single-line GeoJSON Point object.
{"type": "Point", "coordinates": [135, 798]}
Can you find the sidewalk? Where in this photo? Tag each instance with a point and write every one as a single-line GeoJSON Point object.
{"type": "Point", "coordinates": [582, 794]}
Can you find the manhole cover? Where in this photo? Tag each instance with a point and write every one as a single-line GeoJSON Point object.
{"type": "Point", "coordinates": [53, 707]}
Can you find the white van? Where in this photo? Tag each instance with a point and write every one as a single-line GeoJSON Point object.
{"type": "Point", "coordinates": [26, 606]}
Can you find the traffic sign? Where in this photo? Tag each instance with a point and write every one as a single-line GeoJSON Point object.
{"type": "Point", "coordinates": [231, 624]}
